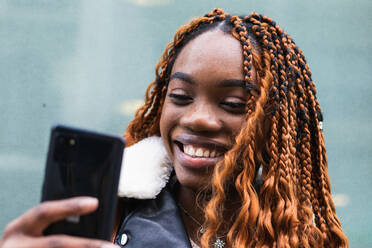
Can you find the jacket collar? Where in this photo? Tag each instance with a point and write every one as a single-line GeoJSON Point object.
{"type": "Point", "coordinates": [145, 169]}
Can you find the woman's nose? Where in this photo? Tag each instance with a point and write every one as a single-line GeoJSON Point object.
{"type": "Point", "coordinates": [201, 118]}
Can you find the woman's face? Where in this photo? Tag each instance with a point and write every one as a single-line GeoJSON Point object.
{"type": "Point", "coordinates": [204, 108]}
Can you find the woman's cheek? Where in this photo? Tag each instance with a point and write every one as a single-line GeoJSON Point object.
{"type": "Point", "coordinates": [167, 123]}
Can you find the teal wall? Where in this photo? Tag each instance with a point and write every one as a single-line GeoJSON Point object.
{"type": "Point", "coordinates": [87, 63]}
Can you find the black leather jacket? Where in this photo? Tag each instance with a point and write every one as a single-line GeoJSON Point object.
{"type": "Point", "coordinates": [155, 223]}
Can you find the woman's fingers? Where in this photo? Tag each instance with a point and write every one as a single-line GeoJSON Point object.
{"type": "Point", "coordinates": [34, 221]}
{"type": "Point", "coordinates": [26, 231]}
{"type": "Point", "coordinates": [55, 241]}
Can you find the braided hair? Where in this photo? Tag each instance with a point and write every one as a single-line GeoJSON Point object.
{"type": "Point", "coordinates": [293, 207]}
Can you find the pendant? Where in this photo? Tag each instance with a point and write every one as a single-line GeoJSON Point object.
{"type": "Point", "coordinates": [219, 243]}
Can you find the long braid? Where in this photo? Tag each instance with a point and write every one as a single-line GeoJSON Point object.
{"type": "Point", "coordinates": [322, 194]}
{"type": "Point", "coordinates": [305, 73]}
{"type": "Point", "coordinates": [243, 224]}
{"type": "Point", "coordinates": [266, 234]}
{"type": "Point", "coordinates": [292, 141]}
{"type": "Point", "coordinates": [305, 205]}
{"type": "Point", "coordinates": [336, 237]}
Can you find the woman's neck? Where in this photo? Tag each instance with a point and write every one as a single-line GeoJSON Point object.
{"type": "Point", "coordinates": [192, 212]}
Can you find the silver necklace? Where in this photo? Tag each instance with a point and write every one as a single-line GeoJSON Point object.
{"type": "Point", "coordinates": [218, 243]}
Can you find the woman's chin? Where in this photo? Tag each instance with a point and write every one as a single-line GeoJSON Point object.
{"type": "Point", "coordinates": [193, 180]}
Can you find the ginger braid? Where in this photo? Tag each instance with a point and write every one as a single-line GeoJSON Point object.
{"type": "Point", "coordinates": [307, 199]}
{"type": "Point", "coordinates": [285, 214]}
{"type": "Point", "coordinates": [296, 185]}
{"type": "Point", "coordinates": [302, 66]}
{"type": "Point", "coordinates": [335, 236]}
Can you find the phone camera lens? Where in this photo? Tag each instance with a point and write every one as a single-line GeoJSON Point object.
{"type": "Point", "coordinates": [66, 149]}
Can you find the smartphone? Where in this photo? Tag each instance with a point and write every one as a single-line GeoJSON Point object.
{"type": "Point", "coordinates": [83, 163]}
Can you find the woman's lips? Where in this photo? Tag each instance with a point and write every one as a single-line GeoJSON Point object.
{"type": "Point", "coordinates": [196, 152]}
{"type": "Point", "coordinates": [195, 162]}
{"type": "Point", "coordinates": [201, 142]}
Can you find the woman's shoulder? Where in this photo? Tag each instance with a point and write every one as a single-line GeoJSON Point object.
{"type": "Point", "coordinates": [146, 191]}
{"type": "Point", "coordinates": [149, 222]}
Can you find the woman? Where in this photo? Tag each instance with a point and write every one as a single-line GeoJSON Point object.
{"type": "Point", "coordinates": [236, 110]}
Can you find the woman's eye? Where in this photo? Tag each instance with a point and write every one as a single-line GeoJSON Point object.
{"type": "Point", "coordinates": [234, 106]}
{"type": "Point", "coordinates": [180, 99]}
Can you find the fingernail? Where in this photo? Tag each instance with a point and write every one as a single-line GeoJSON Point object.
{"type": "Point", "coordinates": [89, 201]}
{"type": "Point", "coordinates": [110, 246]}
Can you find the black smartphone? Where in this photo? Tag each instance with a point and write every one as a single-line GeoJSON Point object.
{"type": "Point", "coordinates": [83, 163]}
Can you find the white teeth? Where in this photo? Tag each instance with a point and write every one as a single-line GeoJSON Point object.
{"type": "Point", "coordinates": [206, 154]}
{"type": "Point", "coordinates": [200, 152]}
{"type": "Point", "coordinates": [213, 154]}
{"type": "Point", "coordinates": [191, 151]}
{"type": "Point", "coordinates": [186, 149]}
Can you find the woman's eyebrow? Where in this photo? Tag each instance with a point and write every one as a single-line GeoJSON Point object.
{"type": "Point", "coordinates": [224, 83]}
{"type": "Point", "coordinates": [183, 76]}
{"type": "Point", "coordinates": [232, 83]}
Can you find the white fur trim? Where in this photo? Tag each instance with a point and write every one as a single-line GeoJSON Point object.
{"type": "Point", "coordinates": [145, 169]}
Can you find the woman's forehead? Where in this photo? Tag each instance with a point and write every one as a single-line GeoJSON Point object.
{"type": "Point", "coordinates": [211, 52]}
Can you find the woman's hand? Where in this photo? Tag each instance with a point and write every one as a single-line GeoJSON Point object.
{"type": "Point", "coordinates": [27, 230]}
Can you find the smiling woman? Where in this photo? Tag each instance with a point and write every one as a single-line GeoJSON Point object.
{"type": "Point", "coordinates": [236, 109]}
{"type": "Point", "coordinates": [227, 150]}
